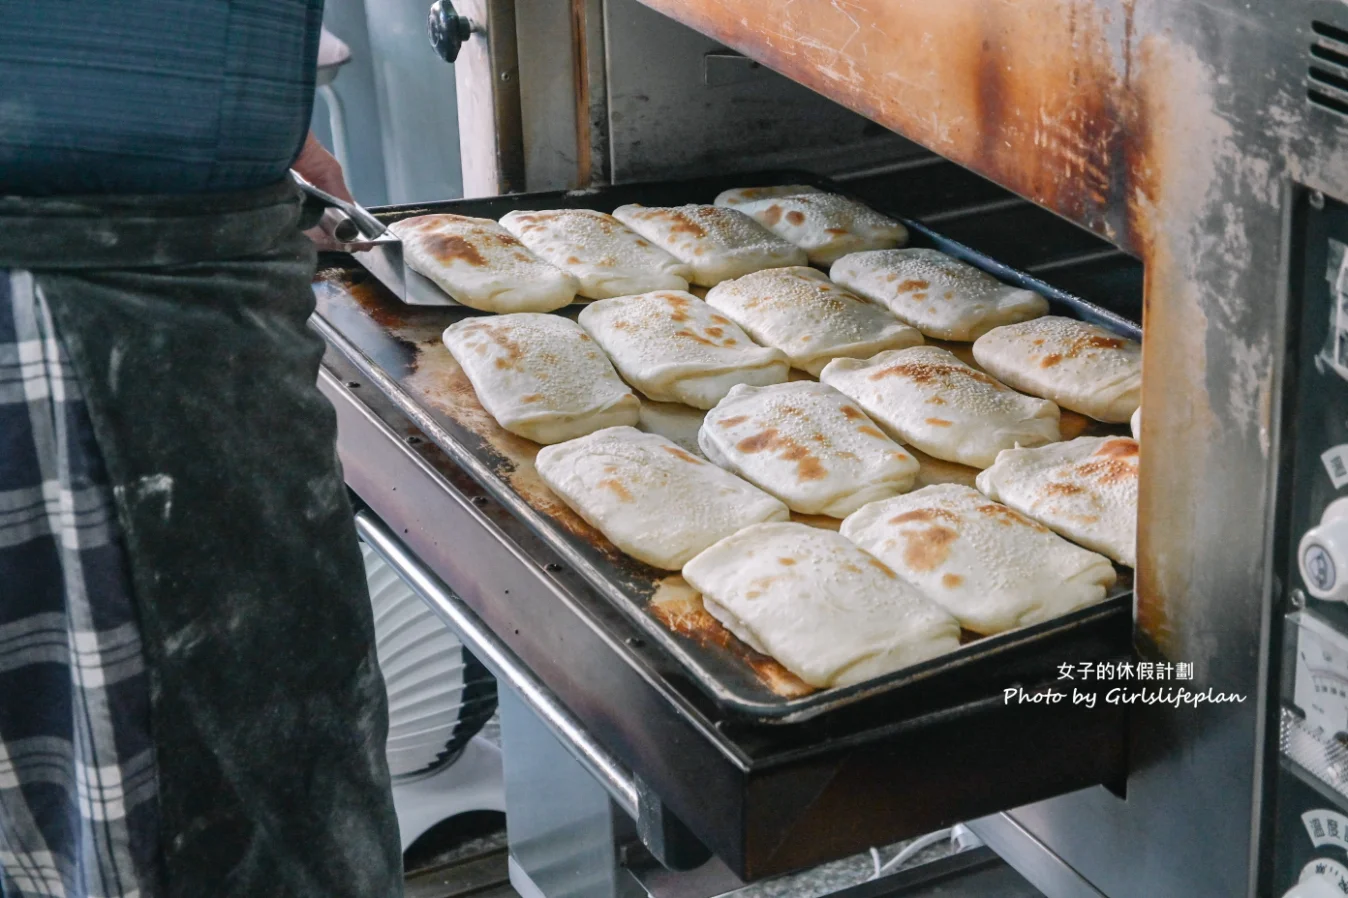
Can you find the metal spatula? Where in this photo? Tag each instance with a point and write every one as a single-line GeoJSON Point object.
{"type": "Point", "coordinates": [373, 245]}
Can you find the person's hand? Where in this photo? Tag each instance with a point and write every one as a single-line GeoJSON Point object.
{"type": "Point", "coordinates": [321, 169]}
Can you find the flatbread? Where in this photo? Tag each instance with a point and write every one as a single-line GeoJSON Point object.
{"type": "Point", "coordinates": [808, 445]}
{"type": "Point", "coordinates": [481, 265]}
{"type": "Point", "coordinates": [827, 611]}
{"type": "Point", "coordinates": [935, 293]}
{"type": "Point", "coordinates": [991, 567]}
{"type": "Point", "coordinates": [673, 421]}
{"type": "Point", "coordinates": [1135, 423]}
{"type": "Point", "coordinates": [1078, 365]}
{"type": "Point", "coordinates": [740, 195]}
{"type": "Point", "coordinates": [825, 225]}
{"type": "Point", "coordinates": [811, 319]}
{"type": "Point", "coordinates": [605, 256]}
{"type": "Point", "coordinates": [716, 242]}
{"type": "Point", "coordinates": [540, 376]}
{"type": "Point", "coordinates": [1085, 489]}
{"type": "Point", "coordinates": [673, 347]}
{"type": "Point", "coordinates": [926, 397]}
{"type": "Point", "coordinates": [653, 500]}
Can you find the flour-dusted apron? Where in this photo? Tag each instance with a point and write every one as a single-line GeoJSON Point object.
{"type": "Point", "coordinates": [185, 321]}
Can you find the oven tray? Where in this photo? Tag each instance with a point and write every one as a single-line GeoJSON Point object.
{"type": "Point", "coordinates": [398, 348]}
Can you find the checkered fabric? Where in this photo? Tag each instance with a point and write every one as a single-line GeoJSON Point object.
{"type": "Point", "coordinates": [78, 809]}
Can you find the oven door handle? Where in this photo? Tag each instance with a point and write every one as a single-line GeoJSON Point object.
{"type": "Point", "coordinates": [616, 779]}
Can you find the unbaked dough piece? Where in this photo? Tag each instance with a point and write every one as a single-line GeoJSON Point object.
{"type": "Point", "coordinates": [808, 317]}
{"type": "Point", "coordinates": [926, 397]}
{"type": "Point", "coordinates": [540, 376]}
{"type": "Point", "coordinates": [808, 445]}
{"type": "Point", "coordinates": [1080, 366]}
{"type": "Point", "coordinates": [673, 347]}
{"type": "Point", "coordinates": [716, 242]}
{"type": "Point", "coordinates": [651, 499]}
{"type": "Point", "coordinates": [991, 567]}
{"type": "Point", "coordinates": [827, 611]}
{"type": "Point", "coordinates": [939, 295]}
{"type": "Point", "coordinates": [481, 265]}
{"type": "Point", "coordinates": [1084, 489]}
{"type": "Point", "coordinates": [603, 254]}
{"type": "Point", "coordinates": [827, 226]}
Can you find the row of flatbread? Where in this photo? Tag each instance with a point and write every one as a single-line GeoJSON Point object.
{"type": "Point", "coordinates": [538, 261]}
{"type": "Point", "coordinates": [549, 379]}
{"type": "Point", "coordinates": [812, 450]}
{"type": "Point", "coordinates": [906, 572]}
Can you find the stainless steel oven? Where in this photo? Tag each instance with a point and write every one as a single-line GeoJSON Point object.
{"type": "Point", "coordinates": [1178, 164]}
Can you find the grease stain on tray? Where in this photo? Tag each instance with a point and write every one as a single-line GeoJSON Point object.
{"type": "Point", "coordinates": [678, 606]}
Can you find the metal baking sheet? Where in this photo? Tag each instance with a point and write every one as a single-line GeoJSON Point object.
{"type": "Point", "coordinates": [399, 347]}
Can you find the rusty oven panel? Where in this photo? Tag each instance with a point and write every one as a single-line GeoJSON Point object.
{"type": "Point", "coordinates": [1178, 130]}
{"type": "Point", "coordinates": [1046, 97]}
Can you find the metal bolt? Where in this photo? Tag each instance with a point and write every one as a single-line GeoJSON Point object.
{"type": "Point", "coordinates": [635, 642]}
{"type": "Point", "coordinates": [1297, 597]}
{"type": "Point", "coordinates": [1317, 199]}
{"type": "Point", "coordinates": [479, 501]}
{"type": "Point", "coordinates": [553, 567]}
{"type": "Point", "coordinates": [351, 385]}
{"type": "Point", "coordinates": [506, 76]}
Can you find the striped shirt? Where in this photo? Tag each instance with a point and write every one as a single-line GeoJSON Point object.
{"type": "Point", "coordinates": [153, 96]}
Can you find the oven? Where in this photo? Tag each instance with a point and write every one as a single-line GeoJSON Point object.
{"type": "Point", "coordinates": [1179, 165]}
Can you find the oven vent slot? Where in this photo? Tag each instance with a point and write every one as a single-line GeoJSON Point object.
{"type": "Point", "coordinates": [1327, 77]}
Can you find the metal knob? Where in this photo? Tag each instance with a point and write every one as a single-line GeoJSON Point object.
{"type": "Point", "coordinates": [448, 30]}
{"type": "Point", "coordinates": [1323, 554]}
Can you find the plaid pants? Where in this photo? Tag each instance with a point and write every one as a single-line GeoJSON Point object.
{"type": "Point", "coordinates": [78, 809]}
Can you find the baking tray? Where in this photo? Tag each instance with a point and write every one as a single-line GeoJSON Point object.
{"type": "Point", "coordinates": [398, 348]}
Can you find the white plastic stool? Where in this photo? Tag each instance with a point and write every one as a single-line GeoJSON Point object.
{"type": "Point", "coordinates": [437, 694]}
{"type": "Point", "coordinates": [472, 783]}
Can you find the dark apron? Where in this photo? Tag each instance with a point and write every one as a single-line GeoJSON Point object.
{"type": "Point", "coordinates": [185, 320]}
